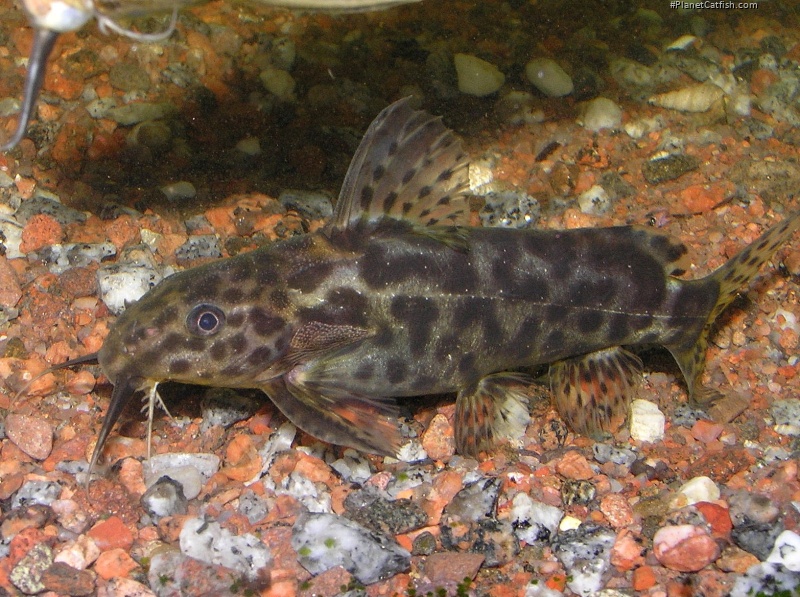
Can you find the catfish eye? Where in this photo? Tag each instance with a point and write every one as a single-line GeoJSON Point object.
{"type": "Point", "coordinates": [205, 320]}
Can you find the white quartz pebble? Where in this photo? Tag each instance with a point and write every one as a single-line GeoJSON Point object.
{"type": "Point", "coordinates": [548, 77]}
{"type": "Point", "coordinates": [477, 77]}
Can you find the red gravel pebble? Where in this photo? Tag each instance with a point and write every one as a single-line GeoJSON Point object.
{"type": "Point", "coordinates": [10, 292]}
{"type": "Point", "coordinates": [685, 547]}
{"type": "Point", "coordinates": [438, 439]}
{"type": "Point", "coordinates": [573, 465]}
{"type": "Point", "coordinates": [40, 231]}
{"type": "Point", "coordinates": [32, 435]}
{"type": "Point", "coordinates": [111, 533]}
{"type": "Point", "coordinates": [114, 563]}
{"type": "Point", "coordinates": [452, 567]}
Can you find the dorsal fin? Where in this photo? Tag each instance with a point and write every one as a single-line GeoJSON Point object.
{"type": "Point", "coordinates": [408, 166]}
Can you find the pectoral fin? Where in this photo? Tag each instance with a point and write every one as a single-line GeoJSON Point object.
{"type": "Point", "coordinates": [316, 337]}
{"type": "Point", "coordinates": [494, 408]}
{"type": "Point", "coordinates": [592, 393]}
{"type": "Point", "coordinates": [366, 424]}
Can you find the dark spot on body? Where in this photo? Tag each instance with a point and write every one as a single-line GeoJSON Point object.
{"type": "Point", "coordinates": [396, 370]}
{"type": "Point", "coordinates": [233, 295]}
{"type": "Point", "coordinates": [279, 298]}
{"type": "Point", "coordinates": [171, 342]}
{"type": "Point", "coordinates": [641, 321]}
{"type": "Point", "coordinates": [459, 276]}
{"type": "Point", "coordinates": [263, 323]}
{"type": "Point", "coordinates": [238, 343]}
{"type": "Point", "coordinates": [618, 328]}
{"type": "Point", "coordinates": [522, 344]}
{"type": "Point", "coordinates": [179, 366]}
{"type": "Point", "coordinates": [694, 299]}
{"type": "Point", "coordinates": [365, 371]}
{"type": "Point", "coordinates": [196, 344]}
{"type": "Point", "coordinates": [266, 275]}
{"type": "Point", "coordinates": [466, 364]}
{"type": "Point", "coordinates": [308, 278]}
{"type": "Point", "coordinates": [348, 306]}
{"type": "Point", "coordinates": [219, 350]}
{"type": "Point", "coordinates": [556, 313]}
{"type": "Point", "coordinates": [239, 269]}
{"type": "Point", "coordinates": [207, 286]}
{"type": "Point", "coordinates": [590, 321]}
{"type": "Point", "coordinates": [384, 336]}
{"type": "Point", "coordinates": [260, 356]}
{"type": "Point", "coordinates": [596, 292]}
{"type": "Point", "coordinates": [554, 342]}
{"type": "Point", "coordinates": [166, 316]}
{"type": "Point", "coordinates": [418, 315]}
{"type": "Point", "coordinates": [235, 319]}
{"type": "Point", "coordinates": [379, 268]}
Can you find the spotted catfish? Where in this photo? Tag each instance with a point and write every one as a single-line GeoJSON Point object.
{"type": "Point", "coordinates": [395, 297]}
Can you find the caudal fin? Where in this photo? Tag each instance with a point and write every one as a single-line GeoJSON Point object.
{"type": "Point", "coordinates": [729, 279]}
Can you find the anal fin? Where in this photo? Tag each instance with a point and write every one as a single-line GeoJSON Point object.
{"type": "Point", "coordinates": [366, 424]}
{"type": "Point", "coordinates": [493, 408]}
{"type": "Point", "coordinates": [592, 392]}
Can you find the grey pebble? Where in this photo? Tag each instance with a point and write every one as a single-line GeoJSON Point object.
{"type": "Point", "coordinates": [673, 166]}
{"type": "Point", "coordinates": [509, 209]}
{"type": "Point", "coordinates": [577, 492]}
{"type": "Point", "coordinates": [686, 416]}
{"type": "Point", "coordinates": [313, 206]}
{"type": "Point", "coordinates": [758, 538]}
{"type": "Point", "coordinates": [766, 579]}
{"type": "Point", "coordinates": [375, 512]}
{"type": "Point", "coordinates": [165, 498]}
{"type": "Point", "coordinates": [181, 190]}
{"type": "Point", "coordinates": [123, 283]}
{"type": "Point", "coordinates": [424, 544]}
{"type": "Point", "coordinates": [585, 553]}
{"type": "Point", "coordinates": [127, 76]}
{"type": "Point", "coordinates": [199, 246]}
{"type": "Point", "coordinates": [323, 541]}
{"type": "Point", "coordinates": [50, 206]}
{"type": "Point", "coordinates": [225, 407]}
{"type": "Point", "coordinates": [191, 470]}
{"type": "Point", "coordinates": [474, 502]}
{"type": "Point", "coordinates": [786, 414]}
{"type": "Point", "coordinates": [60, 258]}
{"type": "Point", "coordinates": [253, 506]}
{"type": "Point", "coordinates": [608, 453]}
{"type": "Point", "coordinates": [130, 114]}
{"type": "Point", "coordinates": [746, 507]}
{"type": "Point", "coordinates": [36, 492]}
{"type": "Point", "coordinates": [208, 542]}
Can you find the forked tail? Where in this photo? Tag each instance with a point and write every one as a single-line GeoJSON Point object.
{"type": "Point", "coordinates": [730, 278]}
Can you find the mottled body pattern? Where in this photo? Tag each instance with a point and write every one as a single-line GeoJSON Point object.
{"type": "Point", "coordinates": [390, 300]}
